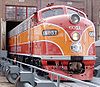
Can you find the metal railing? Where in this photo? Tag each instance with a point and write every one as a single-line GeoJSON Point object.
{"type": "Point", "coordinates": [52, 73]}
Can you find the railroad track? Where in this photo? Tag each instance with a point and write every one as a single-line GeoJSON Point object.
{"type": "Point", "coordinates": [76, 83]}
{"type": "Point", "coordinates": [72, 84]}
{"type": "Point", "coordinates": [95, 81]}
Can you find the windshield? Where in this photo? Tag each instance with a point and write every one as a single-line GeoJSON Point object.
{"type": "Point", "coordinates": [71, 11]}
{"type": "Point", "coordinates": [52, 12]}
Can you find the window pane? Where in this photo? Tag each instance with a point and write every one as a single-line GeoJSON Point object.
{"type": "Point", "coordinates": [31, 10]}
{"type": "Point", "coordinates": [52, 12]}
{"type": "Point", "coordinates": [21, 13]}
{"type": "Point", "coordinates": [21, 0]}
{"type": "Point", "coordinates": [71, 11]}
{"type": "Point", "coordinates": [10, 12]}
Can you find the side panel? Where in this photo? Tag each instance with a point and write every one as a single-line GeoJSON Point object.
{"type": "Point", "coordinates": [45, 48]}
{"type": "Point", "coordinates": [12, 44]}
{"type": "Point", "coordinates": [23, 43]}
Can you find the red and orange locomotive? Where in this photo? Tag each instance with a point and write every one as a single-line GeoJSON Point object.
{"type": "Point", "coordinates": [58, 38]}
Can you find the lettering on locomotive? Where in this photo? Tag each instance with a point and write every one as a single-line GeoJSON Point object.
{"type": "Point", "coordinates": [49, 32]}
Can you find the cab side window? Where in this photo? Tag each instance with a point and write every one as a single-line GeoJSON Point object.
{"type": "Point", "coordinates": [71, 11]}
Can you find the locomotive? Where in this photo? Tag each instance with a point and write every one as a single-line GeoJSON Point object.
{"type": "Point", "coordinates": [57, 38]}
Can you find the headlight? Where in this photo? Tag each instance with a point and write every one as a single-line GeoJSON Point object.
{"type": "Point", "coordinates": [76, 47]}
{"type": "Point", "coordinates": [91, 33]}
{"type": "Point", "coordinates": [74, 19]}
{"type": "Point", "coordinates": [75, 36]}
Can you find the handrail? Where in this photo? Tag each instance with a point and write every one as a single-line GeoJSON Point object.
{"type": "Point", "coordinates": [54, 73]}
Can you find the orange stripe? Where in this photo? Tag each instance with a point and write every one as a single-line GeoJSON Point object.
{"type": "Point", "coordinates": [62, 39]}
{"type": "Point", "coordinates": [23, 37]}
{"type": "Point", "coordinates": [12, 40]}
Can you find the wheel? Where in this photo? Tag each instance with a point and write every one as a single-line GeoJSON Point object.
{"type": "Point", "coordinates": [11, 77]}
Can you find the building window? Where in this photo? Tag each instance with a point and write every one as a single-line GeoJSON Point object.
{"type": "Point", "coordinates": [69, 3]}
{"type": "Point", "coordinates": [21, 0]}
{"type": "Point", "coordinates": [19, 13]}
{"type": "Point", "coordinates": [31, 10]}
{"type": "Point", "coordinates": [10, 10]}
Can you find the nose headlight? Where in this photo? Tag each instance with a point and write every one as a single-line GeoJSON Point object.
{"type": "Point", "coordinates": [74, 18]}
{"type": "Point", "coordinates": [75, 36]}
{"type": "Point", "coordinates": [76, 47]}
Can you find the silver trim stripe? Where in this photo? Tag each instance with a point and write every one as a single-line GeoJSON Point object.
{"type": "Point", "coordinates": [66, 57]}
{"type": "Point", "coordinates": [58, 57]}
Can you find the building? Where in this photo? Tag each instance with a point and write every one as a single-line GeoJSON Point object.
{"type": "Point", "coordinates": [14, 12]}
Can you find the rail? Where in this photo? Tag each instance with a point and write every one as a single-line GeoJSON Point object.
{"type": "Point", "coordinates": [52, 73]}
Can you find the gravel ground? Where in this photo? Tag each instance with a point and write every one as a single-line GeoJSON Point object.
{"type": "Point", "coordinates": [4, 82]}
